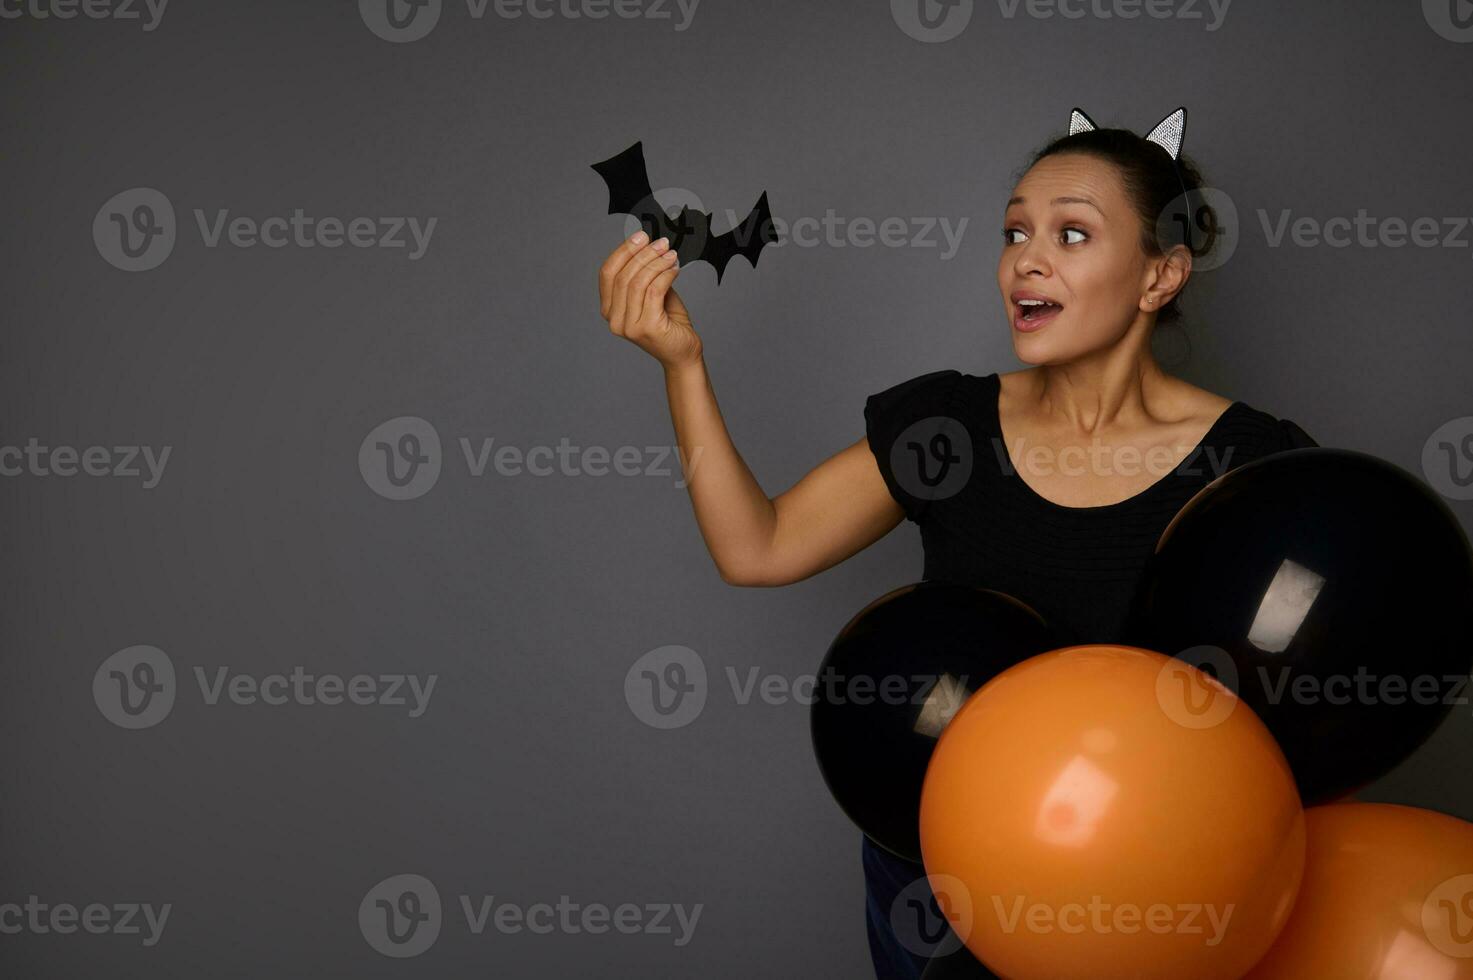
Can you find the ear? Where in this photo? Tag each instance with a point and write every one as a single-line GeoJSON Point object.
{"type": "Point", "coordinates": [1169, 276]}
{"type": "Point", "coordinates": [1080, 123]}
{"type": "Point", "coordinates": [1170, 132]}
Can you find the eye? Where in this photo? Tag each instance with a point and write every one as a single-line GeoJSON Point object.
{"type": "Point", "coordinates": [1007, 234]}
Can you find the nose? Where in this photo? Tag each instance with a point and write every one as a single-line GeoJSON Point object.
{"type": "Point", "coordinates": [1031, 257]}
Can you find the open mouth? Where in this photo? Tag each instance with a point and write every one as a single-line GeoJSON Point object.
{"type": "Point", "coordinates": [1033, 311]}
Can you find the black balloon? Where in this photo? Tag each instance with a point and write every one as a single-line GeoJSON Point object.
{"type": "Point", "coordinates": [1329, 589]}
{"type": "Point", "coordinates": [960, 965]}
{"type": "Point", "coordinates": [893, 679]}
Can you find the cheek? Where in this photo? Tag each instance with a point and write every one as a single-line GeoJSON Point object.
{"type": "Point", "coordinates": [1101, 278]}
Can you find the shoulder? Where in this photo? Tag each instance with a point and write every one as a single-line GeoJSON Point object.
{"type": "Point", "coordinates": [932, 382]}
{"type": "Point", "coordinates": [914, 397]}
{"type": "Point", "coordinates": [903, 424]}
{"type": "Point", "coordinates": [1255, 433]}
{"type": "Point", "coordinates": [1192, 405]}
{"type": "Point", "coordinates": [1256, 430]}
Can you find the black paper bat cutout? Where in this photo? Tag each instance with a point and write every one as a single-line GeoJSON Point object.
{"type": "Point", "coordinates": [690, 231]}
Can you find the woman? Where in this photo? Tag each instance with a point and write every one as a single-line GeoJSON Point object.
{"type": "Point", "coordinates": [1069, 469]}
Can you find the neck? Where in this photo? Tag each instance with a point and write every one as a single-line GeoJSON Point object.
{"type": "Point", "coordinates": [1118, 388]}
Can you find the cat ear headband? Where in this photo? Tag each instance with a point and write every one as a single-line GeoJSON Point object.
{"type": "Point", "coordinates": [1168, 134]}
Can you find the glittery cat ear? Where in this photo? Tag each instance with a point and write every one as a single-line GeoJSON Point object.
{"type": "Point", "coordinates": [1170, 132]}
{"type": "Point", "coordinates": [1079, 122]}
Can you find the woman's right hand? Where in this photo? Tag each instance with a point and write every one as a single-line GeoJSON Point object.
{"type": "Point", "coordinates": [635, 296]}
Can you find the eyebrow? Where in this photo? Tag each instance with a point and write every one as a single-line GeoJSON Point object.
{"type": "Point", "coordinates": [1063, 200]}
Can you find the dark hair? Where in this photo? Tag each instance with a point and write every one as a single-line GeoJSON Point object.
{"type": "Point", "coordinates": [1152, 185]}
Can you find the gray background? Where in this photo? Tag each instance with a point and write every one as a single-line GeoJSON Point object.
{"type": "Point", "coordinates": [264, 548]}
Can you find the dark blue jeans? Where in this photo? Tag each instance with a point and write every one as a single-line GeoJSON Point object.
{"type": "Point", "coordinates": [902, 955]}
{"type": "Point", "coordinates": [885, 877]}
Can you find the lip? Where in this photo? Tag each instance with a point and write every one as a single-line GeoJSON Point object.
{"type": "Point", "coordinates": [1037, 323]}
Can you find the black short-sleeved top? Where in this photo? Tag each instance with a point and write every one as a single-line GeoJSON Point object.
{"type": "Point", "coordinates": [940, 449]}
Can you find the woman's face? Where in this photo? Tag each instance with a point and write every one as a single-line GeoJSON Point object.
{"type": "Point", "coordinates": [1071, 238]}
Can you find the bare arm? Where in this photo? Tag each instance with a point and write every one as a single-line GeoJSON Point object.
{"type": "Point", "coordinates": [839, 508]}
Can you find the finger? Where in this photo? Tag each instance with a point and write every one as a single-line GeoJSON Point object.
{"type": "Point", "coordinates": [638, 308]}
{"type": "Point", "coordinates": [619, 307]}
{"type": "Point", "coordinates": [619, 299]}
{"type": "Point", "coordinates": [616, 261]}
{"type": "Point", "coordinates": [640, 303]}
{"type": "Point", "coordinates": [659, 287]}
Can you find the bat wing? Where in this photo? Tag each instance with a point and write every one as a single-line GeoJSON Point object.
{"type": "Point", "coordinates": [629, 192]}
{"type": "Point", "coordinates": [627, 179]}
{"type": "Point", "coordinates": [746, 239]}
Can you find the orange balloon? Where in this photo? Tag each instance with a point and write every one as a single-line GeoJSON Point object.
{"type": "Point", "coordinates": [1387, 895]}
{"type": "Point", "coordinates": [1110, 812]}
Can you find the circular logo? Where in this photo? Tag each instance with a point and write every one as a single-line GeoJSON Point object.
{"type": "Point", "coordinates": [666, 688]}
{"type": "Point", "coordinates": [1447, 916]}
{"type": "Point", "coordinates": [1447, 459]}
{"type": "Point", "coordinates": [1207, 218]}
{"type": "Point", "coordinates": [134, 231]}
{"type": "Point", "coordinates": [134, 688]}
{"type": "Point", "coordinates": [400, 459]}
{"type": "Point", "coordinates": [1451, 19]}
{"type": "Point", "coordinates": [1198, 687]}
{"type": "Point", "coordinates": [689, 231]}
{"type": "Point", "coordinates": [932, 458]}
{"type": "Point", "coordinates": [400, 21]}
{"type": "Point", "coordinates": [400, 916]}
{"type": "Point", "coordinates": [932, 915]}
{"type": "Point", "coordinates": [932, 21]}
